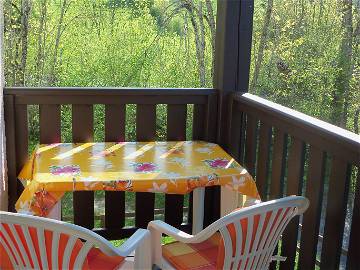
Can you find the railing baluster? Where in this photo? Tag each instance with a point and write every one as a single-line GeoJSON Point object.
{"type": "Point", "coordinates": [235, 134]}
{"type": "Point", "coordinates": [353, 259]}
{"type": "Point", "coordinates": [145, 131]}
{"type": "Point", "coordinates": [335, 214]}
{"type": "Point", "coordinates": [311, 220]}
{"type": "Point", "coordinates": [294, 180]}
{"type": "Point", "coordinates": [211, 119]}
{"type": "Point", "coordinates": [82, 129]}
{"type": "Point", "coordinates": [50, 124]}
{"type": "Point", "coordinates": [21, 127]}
{"type": "Point", "coordinates": [263, 161]}
{"type": "Point", "coordinates": [176, 131]}
{"type": "Point", "coordinates": [278, 164]}
{"type": "Point", "coordinates": [199, 122]}
{"type": "Point", "coordinates": [10, 133]}
{"type": "Point", "coordinates": [250, 144]}
{"type": "Point", "coordinates": [114, 132]}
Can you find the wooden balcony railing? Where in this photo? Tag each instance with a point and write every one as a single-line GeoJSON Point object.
{"type": "Point", "coordinates": [292, 153]}
{"type": "Point", "coordinates": [115, 100]}
{"type": "Point", "coordinates": [287, 151]}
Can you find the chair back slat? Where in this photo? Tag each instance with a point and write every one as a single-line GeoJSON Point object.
{"type": "Point", "coordinates": [30, 247]}
{"type": "Point", "coordinates": [21, 246]}
{"type": "Point", "coordinates": [257, 238]}
{"type": "Point", "coordinates": [13, 245]}
{"type": "Point", "coordinates": [82, 255]}
{"type": "Point", "coordinates": [269, 239]}
{"type": "Point", "coordinates": [40, 233]}
{"type": "Point", "coordinates": [55, 250]}
{"type": "Point", "coordinates": [250, 236]}
{"type": "Point", "coordinates": [264, 233]}
{"type": "Point", "coordinates": [67, 253]}
{"type": "Point", "coordinates": [15, 254]}
{"type": "Point", "coordinates": [239, 241]}
{"type": "Point", "coordinates": [228, 246]}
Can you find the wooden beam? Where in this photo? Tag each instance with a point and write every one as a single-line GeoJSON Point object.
{"type": "Point", "coordinates": [232, 56]}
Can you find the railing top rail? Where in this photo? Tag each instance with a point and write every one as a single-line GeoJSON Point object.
{"type": "Point", "coordinates": [306, 123]}
{"type": "Point", "coordinates": [89, 91]}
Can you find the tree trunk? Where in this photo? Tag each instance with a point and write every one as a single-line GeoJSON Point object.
{"type": "Point", "coordinates": [40, 53]}
{"type": "Point", "coordinates": [52, 78]}
{"type": "Point", "coordinates": [340, 95]}
{"type": "Point", "coordinates": [199, 33]}
{"type": "Point", "coordinates": [25, 11]}
{"type": "Point", "coordinates": [262, 44]}
{"type": "Point", "coordinates": [212, 26]}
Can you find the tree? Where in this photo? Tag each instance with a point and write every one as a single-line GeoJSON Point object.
{"type": "Point", "coordinates": [262, 43]}
{"type": "Point", "coordinates": [340, 94]}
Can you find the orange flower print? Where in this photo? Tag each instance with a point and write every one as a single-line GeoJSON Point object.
{"type": "Point", "coordinates": [122, 185]}
{"type": "Point", "coordinates": [144, 167]}
{"type": "Point", "coordinates": [65, 170]}
{"type": "Point", "coordinates": [193, 183]}
{"type": "Point", "coordinates": [42, 203]}
{"type": "Point", "coordinates": [218, 163]}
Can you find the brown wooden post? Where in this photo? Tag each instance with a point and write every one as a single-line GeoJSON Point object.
{"type": "Point", "coordinates": [232, 56]}
{"type": "Point", "coordinates": [232, 67]}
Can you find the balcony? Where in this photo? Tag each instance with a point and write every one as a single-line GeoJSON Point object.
{"type": "Point", "coordinates": [286, 151]}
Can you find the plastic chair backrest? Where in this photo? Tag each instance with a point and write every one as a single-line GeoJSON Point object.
{"type": "Point", "coordinates": [41, 243]}
{"type": "Point", "coordinates": [250, 235]}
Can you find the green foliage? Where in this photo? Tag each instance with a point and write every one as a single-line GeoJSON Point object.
{"type": "Point", "coordinates": [305, 36]}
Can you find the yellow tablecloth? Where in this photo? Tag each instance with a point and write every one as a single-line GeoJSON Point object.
{"type": "Point", "coordinates": [165, 167]}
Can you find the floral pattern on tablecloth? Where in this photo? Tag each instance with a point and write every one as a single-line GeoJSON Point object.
{"type": "Point", "coordinates": [159, 167]}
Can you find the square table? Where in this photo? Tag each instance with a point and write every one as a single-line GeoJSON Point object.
{"type": "Point", "coordinates": [164, 167]}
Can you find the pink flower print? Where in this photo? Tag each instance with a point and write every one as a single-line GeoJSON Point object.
{"type": "Point", "coordinates": [65, 170]}
{"type": "Point", "coordinates": [217, 163]}
{"type": "Point", "coordinates": [144, 167]}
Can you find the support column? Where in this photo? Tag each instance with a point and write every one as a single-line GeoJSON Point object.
{"type": "Point", "coordinates": [232, 56]}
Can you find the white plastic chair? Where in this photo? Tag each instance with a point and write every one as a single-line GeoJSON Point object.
{"type": "Point", "coordinates": [34, 242]}
{"type": "Point", "coordinates": [262, 223]}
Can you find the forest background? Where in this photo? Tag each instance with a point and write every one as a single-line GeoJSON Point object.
{"type": "Point", "coordinates": [305, 53]}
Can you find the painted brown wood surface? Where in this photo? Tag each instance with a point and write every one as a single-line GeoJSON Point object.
{"type": "Point", "coordinates": [353, 259]}
{"type": "Point", "coordinates": [212, 194]}
{"type": "Point", "coordinates": [21, 135]}
{"type": "Point", "coordinates": [211, 119]}
{"type": "Point", "coordinates": [329, 138]}
{"type": "Point", "coordinates": [235, 134]}
{"type": "Point", "coordinates": [250, 144]}
{"type": "Point", "coordinates": [294, 184]}
{"type": "Point", "coordinates": [263, 159]}
{"type": "Point", "coordinates": [106, 91]}
{"type": "Point", "coordinates": [145, 131]}
{"type": "Point", "coordinates": [311, 220]}
{"type": "Point", "coordinates": [82, 131]}
{"type": "Point", "coordinates": [50, 123]}
{"type": "Point", "coordinates": [335, 214]}
{"type": "Point", "coordinates": [10, 131]}
{"type": "Point", "coordinates": [278, 164]}
{"type": "Point", "coordinates": [199, 118]}
{"type": "Point", "coordinates": [114, 132]}
{"type": "Point", "coordinates": [200, 124]}
{"type": "Point", "coordinates": [176, 131]}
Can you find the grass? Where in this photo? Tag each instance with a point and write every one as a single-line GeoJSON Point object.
{"type": "Point", "coordinates": [99, 202]}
